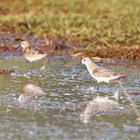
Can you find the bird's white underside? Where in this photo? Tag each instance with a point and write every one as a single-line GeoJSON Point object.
{"type": "Point", "coordinates": [105, 79]}
{"type": "Point", "coordinates": [35, 58]}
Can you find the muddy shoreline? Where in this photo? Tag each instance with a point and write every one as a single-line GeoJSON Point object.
{"type": "Point", "coordinates": [59, 46]}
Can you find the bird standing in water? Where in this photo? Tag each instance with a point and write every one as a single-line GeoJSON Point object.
{"type": "Point", "coordinates": [100, 74]}
{"type": "Point", "coordinates": [31, 54]}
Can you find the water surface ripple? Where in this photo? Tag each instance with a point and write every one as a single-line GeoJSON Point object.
{"type": "Point", "coordinates": [69, 88]}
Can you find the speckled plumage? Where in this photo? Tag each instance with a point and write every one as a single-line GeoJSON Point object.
{"type": "Point", "coordinates": [100, 74]}
{"type": "Point", "coordinates": [31, 54]}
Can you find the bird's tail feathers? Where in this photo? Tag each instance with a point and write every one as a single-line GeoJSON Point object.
{"type": "Point", "coordinates": [122, 76]}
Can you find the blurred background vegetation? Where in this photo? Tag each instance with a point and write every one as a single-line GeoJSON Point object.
{"type": "Point", "coordinates": [90, 22]}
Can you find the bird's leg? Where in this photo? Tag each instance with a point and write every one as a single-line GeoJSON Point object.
{"type": "Point", "coordinates": [97, 86]}
{"type": "Point", "coordinates": [38, 68]}
{"type": "Point", "coordinates": [30, 68]}
{"type": "Point", "coordinates": [42, 68]}
{"type": "Point", "coordinates": [109, 86]}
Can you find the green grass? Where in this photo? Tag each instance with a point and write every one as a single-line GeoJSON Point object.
{"type": "Point", "coordinates": [89, 22]}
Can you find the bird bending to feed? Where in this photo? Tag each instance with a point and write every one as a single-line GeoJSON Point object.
{"type": "Point", "coordinates": [100, 74]}
{"type": "Point", "coordinates": [29, 53]}
{"type": "Point", "coordinates": [30, 91]}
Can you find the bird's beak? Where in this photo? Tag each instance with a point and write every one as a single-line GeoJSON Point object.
{"type": "Point", "coordinates": [19, 48]}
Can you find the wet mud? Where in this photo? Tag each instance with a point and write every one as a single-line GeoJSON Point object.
{"type": "Point", "coordinates": [62, 47]}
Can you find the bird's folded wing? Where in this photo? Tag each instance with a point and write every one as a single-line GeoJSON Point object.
{"type": "Point", "coordinates": [33, 51]}
{"type": "Point", "coordinates": [101, 72]}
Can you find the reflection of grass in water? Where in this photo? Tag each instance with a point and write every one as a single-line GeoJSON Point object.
{"type": "Point", "coordinates": [110, 23]}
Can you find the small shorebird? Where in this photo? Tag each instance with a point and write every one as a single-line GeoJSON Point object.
{"type": "Point", "coordinates": [29, 53]}
{"type": "Point", "coordinates": [100, 74]}
{"type": "Point", "coordinates": [30, 91]}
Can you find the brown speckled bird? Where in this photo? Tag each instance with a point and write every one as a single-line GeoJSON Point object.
{"type": "Point", "coordinates": [31, 54]}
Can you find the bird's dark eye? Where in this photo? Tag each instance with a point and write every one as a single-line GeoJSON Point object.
{"type": "Point", "coordinates": [84, 60]}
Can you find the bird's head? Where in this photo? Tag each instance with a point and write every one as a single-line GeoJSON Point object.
{"type": "Point", "coordinates": [86, 60]}
{"type": "Point", "coordinates": [24, 44]}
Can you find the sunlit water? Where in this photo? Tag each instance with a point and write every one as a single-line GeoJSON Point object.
{"type": "Point", "coordinates": [68, 86]}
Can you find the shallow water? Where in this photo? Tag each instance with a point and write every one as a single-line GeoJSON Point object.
{"type": "Point", "coordinates": [68, 85]}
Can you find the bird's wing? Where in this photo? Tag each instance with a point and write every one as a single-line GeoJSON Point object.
{"type": "Point", "coordinates": [31, 52]}
{"type": "Point", "coordinates": [34, 51]}
{"type": "Point", "coordinates": [101, 72]}
{"type": "Point", "coordinates": [38, 50]}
